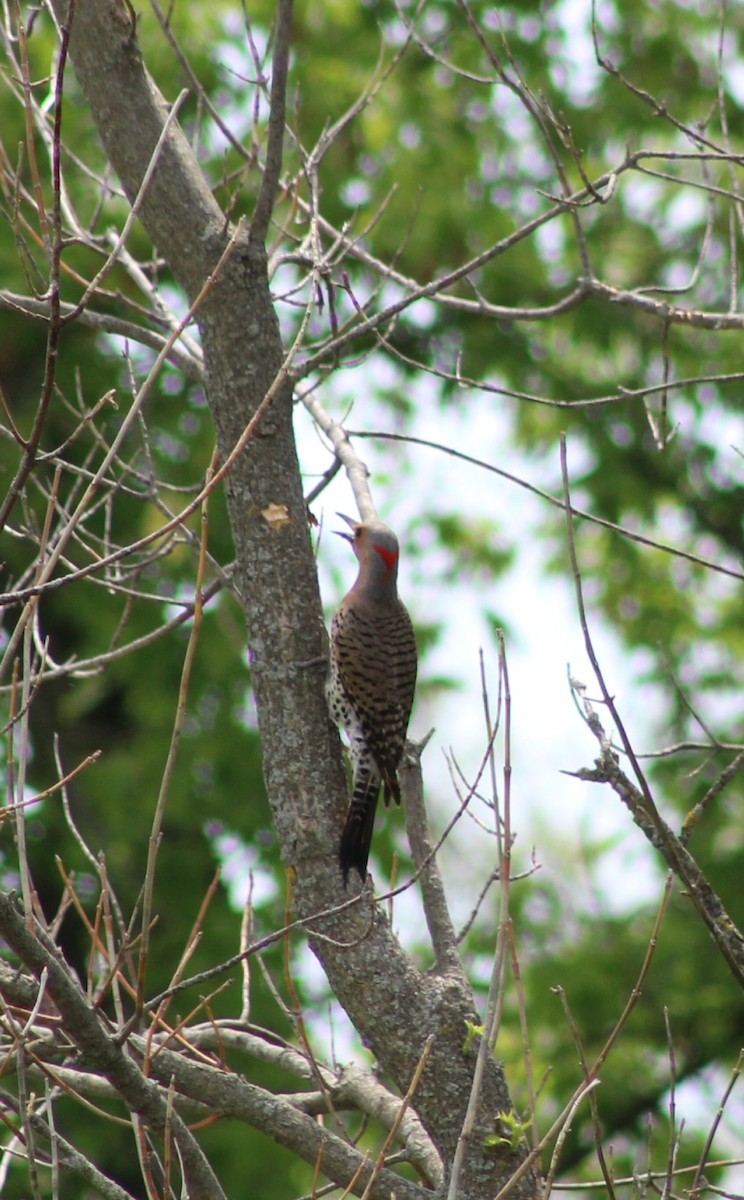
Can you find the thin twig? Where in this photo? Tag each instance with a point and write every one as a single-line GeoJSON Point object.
{"type": "Point", "coordinates": [101, 473]}
{"type": "Point", "coordinates": [259, 224]}
{"type": "Point", "coordinates": [180, 717]}
{"type": "Point", "coordinates": [555, 501]}
{"type": "Point", "coordinates": [639, 800]}
{"type": "Point", "coordinates": [436, 911]}
{"type": "Point", "coordinates": [497, 982]}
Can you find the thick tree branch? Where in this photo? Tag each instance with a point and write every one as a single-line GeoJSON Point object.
{"type": "Point", "coordinates": [279, 1119]}
{"type": "Point", "coordinates": [98, 1050]}
{"type": "Point", "coordinates": [204, 1090]}
{"type": "Point", "coordinates": [350, 1087]}
{"type": "Point", "coordinates": [677, 857]}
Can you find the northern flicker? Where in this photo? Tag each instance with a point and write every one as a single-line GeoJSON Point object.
{"type": "Point", "coordinates": [371, 683]}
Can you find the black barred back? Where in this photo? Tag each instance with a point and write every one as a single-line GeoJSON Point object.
{"type": "Point", "coordinates": [371, 683]}
{"type": "Point", "coordinates": [374, 651]}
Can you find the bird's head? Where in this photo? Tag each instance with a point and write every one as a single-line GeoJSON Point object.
{"type": "Point", "coordinates": [376, 547]}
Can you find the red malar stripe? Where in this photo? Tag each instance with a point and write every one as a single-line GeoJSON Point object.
{"type": "Point", "coordinates": [389, 557]}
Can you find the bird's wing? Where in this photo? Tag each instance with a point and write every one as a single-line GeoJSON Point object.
{"type": "Point", "coordinates": [370, 656]}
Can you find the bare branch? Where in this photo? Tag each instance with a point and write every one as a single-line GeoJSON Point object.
{"type": "Point", "coordinates": [278, 99]}
{"type": "Point", "coordinates": [438, 920]}
{"type": "Point", "coordinates": [640, 801]}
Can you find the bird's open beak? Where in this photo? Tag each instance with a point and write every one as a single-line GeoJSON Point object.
{"type": "Point", "coordinates": [349, 521]}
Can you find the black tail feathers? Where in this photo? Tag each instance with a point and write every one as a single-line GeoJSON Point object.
{"type": "Point", "coordinates": [356, 838]}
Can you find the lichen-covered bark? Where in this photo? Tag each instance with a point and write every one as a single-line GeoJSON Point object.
{"type": "Point", "coordinates": [392, 1005]}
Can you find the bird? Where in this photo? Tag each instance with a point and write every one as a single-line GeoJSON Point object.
{"type": "Point", "coordinates": [371, 683]}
